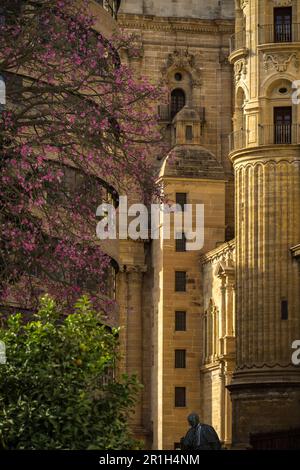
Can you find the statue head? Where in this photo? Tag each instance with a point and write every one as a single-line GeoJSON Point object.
{"type": "Point", "coordinates": [193, 419]}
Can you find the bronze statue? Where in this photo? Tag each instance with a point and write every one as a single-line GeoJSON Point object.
{"type": "Point", "coordinates": [200, 436]}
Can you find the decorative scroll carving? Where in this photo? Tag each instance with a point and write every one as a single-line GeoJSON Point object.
{"type": "Point", "coordinates": [225, 255]}
{"type": "Point", "coordinates": [182, 59]}
{"type": "Point", "coordinates": [282, 3]}
{"type": "Point", "coordinates": [240, 69]}
{"type": "Point", "coordinates": [281, 61]}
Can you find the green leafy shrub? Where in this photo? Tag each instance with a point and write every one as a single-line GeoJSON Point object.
{"type": "Point", "coordinates": [57, 389]}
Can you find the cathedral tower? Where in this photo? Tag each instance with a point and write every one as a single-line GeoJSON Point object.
{"type": "Point", "coordinates": [265, 153]}
{"type": "Point", "coordinates": [184, 46]}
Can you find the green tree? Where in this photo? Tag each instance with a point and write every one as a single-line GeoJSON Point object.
{"type": "Point", "coordinates": [57, 389]}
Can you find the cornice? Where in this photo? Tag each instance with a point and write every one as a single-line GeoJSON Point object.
{"type": "Point", "coordinates": [210, 366]}
{"type": "Point", "coordinates": [279, 47]}
{"type": "Point", "coordinates": [170, 179]}
{"type": "Point", "coordinates": [238, 54]}
{"type": "Point", "coordinates": [152, 23]}
{"type": "Point", "coordinates": [217, 252]}
{"type": "Point", "coordinates": [133, 269]}
{"type": "Point", "coordinates": [296, 251]}
{"type": "Point", "coordinates": [264, 154]}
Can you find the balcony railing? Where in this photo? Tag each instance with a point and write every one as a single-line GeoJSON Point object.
{"type": "Point", "coordinates": [278, 134]}
{"type": "Point", "coordinates": [237, 140]}
{"type": "Point", "coordinates": [237, 41]}
{"type": "Point", "coordinates": [271, 33]}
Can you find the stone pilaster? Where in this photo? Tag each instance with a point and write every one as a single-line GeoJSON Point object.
{"type": "Point", "coordinates": [134, 336]}
{"type": "Point", "coordinates": [130, 285]}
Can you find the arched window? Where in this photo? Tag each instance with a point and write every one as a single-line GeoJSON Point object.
{"type": "Point", "coordinates": [177, 101]}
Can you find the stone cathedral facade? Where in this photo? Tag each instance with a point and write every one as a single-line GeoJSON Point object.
{"type": "Point", "coordinates": [211, 331]}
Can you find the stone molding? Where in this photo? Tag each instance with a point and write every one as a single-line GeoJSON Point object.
{"type": "Point", "coordinates": [281, 61]}
{"type": "Point", "coordinates": [224, 252]}
{"type": "Point", "coordinates": [240, 69]}
{"type": "Point", "coordinates": [265, 365]}
{"type": "Point", "coordinates": [238, 54]}
{"type": "Point", "coordinates": [173, 24]}
{"type": "Point", "coordinates": [183, 59]}
{"type": "Point", "coordinates": [256, 162]}
{"type": "Point", "coordinates": [282, 3]}
{"type": "Point", "coordinates": [265, 153]}
{"type": "Point", "coordinates": [295, 250]}
{"type": "Point", "coordinates": [126, 268]}
{"type": "Point", "coordinates": [244, 3]}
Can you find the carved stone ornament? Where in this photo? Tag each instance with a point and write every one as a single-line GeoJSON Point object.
{"type": "Point", "coordinates": [282, 3]}
{"type": "Point", "coordinates": [182, 60]}
{"type": "Point", "coordinates": [281, 61]}
{"type": "Point", "coordinates": [240, 69]}
{"type": "Point", "coordinates": [244, 3]}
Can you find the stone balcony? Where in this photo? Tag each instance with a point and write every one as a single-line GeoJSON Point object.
{"type": "Point", "coordinates": [279, 34]}
{"type": "Point", "coordinates": [264, 134]}
{"type": "Point", "coordinates": [237, 46]}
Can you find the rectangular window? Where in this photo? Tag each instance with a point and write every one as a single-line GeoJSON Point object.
{"type": "Point", "coordinates": [180, 358]}
{"type": "Point", "coordinates": [180, 320]}
{"type": "Point", "coordinates": [177, 101]}
{"type": "Point", "coordinates": [283, 24]}
{"type": "Point", "coordinates": [180, 281]}
{"type": "Point", "coordinates": [180, 397]}
{"type": "Point", "coordinates": [189, 132]}
{"type": "Point", "coordinates": [284, 310]}
{"type": "Point", "coordinates": [181, 200]}
{"type": "Point", "coordinates": [180, 242]}
{"type": "Point", "coordinates": [283, 125]}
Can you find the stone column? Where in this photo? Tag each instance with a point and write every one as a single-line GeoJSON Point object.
{"type": "Point", "coordinates": [122, 319]}
{"type": "Point", "coordinates": [226, 275]}
{"type": "Point", "coordinates": [222, 325]}
{"type": "Point", "coordinates": [229, 287]}
{"type": "Point", "coordinates": [228, 407]}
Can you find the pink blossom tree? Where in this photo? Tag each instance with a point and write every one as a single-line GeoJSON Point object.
{"type": "Point", "coordinates": [76, 130]}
